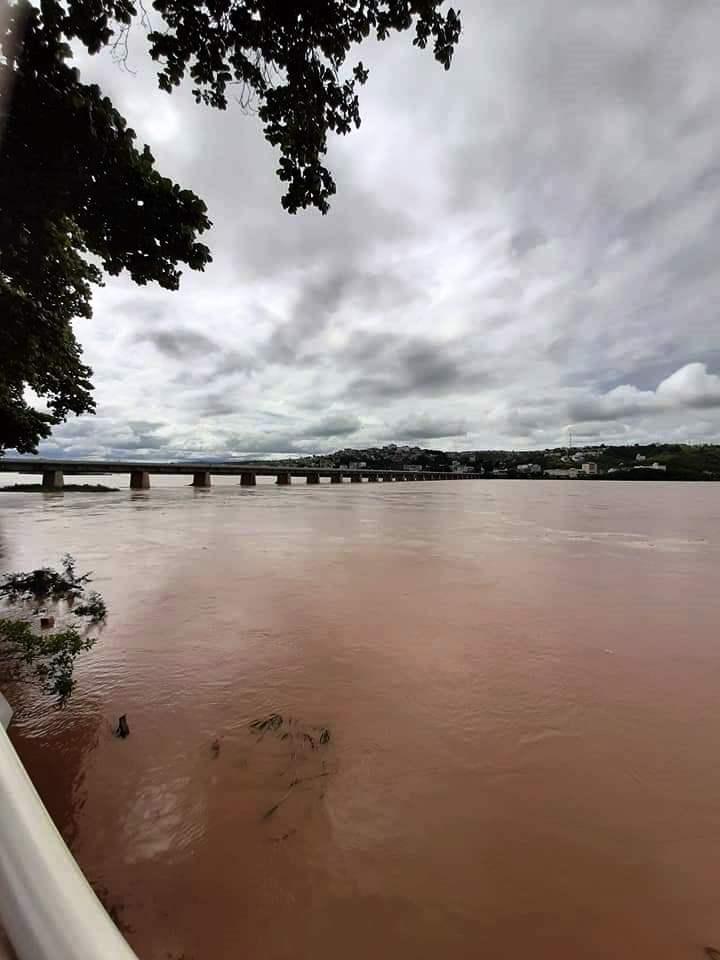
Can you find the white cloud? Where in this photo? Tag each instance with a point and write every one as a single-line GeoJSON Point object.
{"type": "Point", "coordinates": [690, 386]}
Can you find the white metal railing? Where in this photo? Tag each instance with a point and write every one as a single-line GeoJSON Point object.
{"type": "Point", "coordinates": [47, 907]}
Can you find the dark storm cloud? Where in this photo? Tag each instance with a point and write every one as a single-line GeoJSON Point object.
{"type": "Point", "coordinates": [618, 404]}
{"type": "Point", "coordinates": [526, 240]}
{"type": "Point", "coordinates": [216, 406]}
{"type": "Point", "coordinates": [232, 362]}
{"type": "Point", "coordinates": [142, 443]}
{"type": "Point", "coordinates": [321, 299]}
{"type": "Point", "coordinates": [263, 443]}
{"type": "Point", "coordinates": [179, 343]}
{"type": "Point", "coordinates": [145, 426]}
{"type": "Point", "coordinates": [426, 428]}
{"type": "Point", "coordinates": [334, 425]}
{"type": "Point", "coordinates": [410, 367]}
{"type": "Point", "coordinates": [313, 311]}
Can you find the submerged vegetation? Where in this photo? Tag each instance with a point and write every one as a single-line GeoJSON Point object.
{"type": "Point", "coordinates": [300, 743]}
{"type": "Point", "coordinates": [30, 651]}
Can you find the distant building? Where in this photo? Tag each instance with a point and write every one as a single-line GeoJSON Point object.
{"type": "Point", "coordinates": [532, 468]}
{"type": "Point", "coordinates": [458, 467]}
{"type": "Point", "coordinates": [561, 474]}
{"type": "Point", "coordinates": [412, 467]}
{"type": "Point", "coordinates": [640, 457]}
{"type": "Point", "coordinates": [651, 466]}
{"type": "Point", "coordinates": [590, 468]}
{"type": "Point", "coordinates": [357, 465]}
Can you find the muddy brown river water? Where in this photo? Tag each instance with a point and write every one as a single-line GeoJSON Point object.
{"type": "Point", "coordinates": [521, 684]}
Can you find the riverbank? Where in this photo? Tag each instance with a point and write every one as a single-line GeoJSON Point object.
{"type": "Point", "coordinates": [67, 488]}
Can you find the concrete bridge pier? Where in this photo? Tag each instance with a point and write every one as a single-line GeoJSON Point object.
{"type": "Point", "coordinates": [201, 478]}
{"type": "Point", "coordinates": [247, 479]}
{"type": "Point", "coordinates": [52, 480]}
{"type": "Point", "coordinates": [355, 478]}
{"type": "Point", "coordinates": [139, 480]}
{"type": "Point", "coordinates": [283, 480]}
{"type": "Point", "coordinates": [313, 478]}
{"type": "Point", "coordinates": [336, 478]}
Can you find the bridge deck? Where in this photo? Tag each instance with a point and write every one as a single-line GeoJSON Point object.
{"type": "Point", "coordinates": [97, 467]}
{"type": "Point", "coordinates": [54, 471]}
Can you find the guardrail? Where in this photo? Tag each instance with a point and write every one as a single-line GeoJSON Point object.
{"type": "Point", "coordinates": [47, 907]}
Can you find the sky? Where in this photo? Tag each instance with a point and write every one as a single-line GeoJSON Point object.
{"type": "Point", "coordinates": [523, 244]}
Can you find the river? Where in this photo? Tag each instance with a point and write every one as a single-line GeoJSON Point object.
{"type": "Point", "coordinates": [520, 682]}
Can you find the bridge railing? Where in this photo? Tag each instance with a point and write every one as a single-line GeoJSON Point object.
{"type": "Point", "coordinates": [47, 907]}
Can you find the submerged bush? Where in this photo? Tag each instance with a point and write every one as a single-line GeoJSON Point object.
{"type": "Point", "coordinates": [45, 584]}
{"type": "Point", "coordinates": [45, 658]}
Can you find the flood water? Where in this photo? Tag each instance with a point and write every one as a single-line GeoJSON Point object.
{"type": "Point", "coordinates": [521, 684]}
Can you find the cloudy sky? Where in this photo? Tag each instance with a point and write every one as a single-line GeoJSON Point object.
{"type": "Point", "coordinates": [524, 243]}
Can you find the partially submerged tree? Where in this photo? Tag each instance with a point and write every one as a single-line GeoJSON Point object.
{"type": "Point", "coordinates": [30, 654]}
{"type": "Point", "coordinates": [77, 196]}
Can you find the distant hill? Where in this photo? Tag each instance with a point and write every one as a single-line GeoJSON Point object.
{"type": "Point", "coordinates": [681, 461]}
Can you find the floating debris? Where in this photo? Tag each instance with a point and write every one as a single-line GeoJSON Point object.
{"type": "Point", "coordinates": [215, 748]}
{"type": "Point", "coordinates": [123, 730]}
{"type": "Point", "coordinates": [273, 722]}
{"type": "Point", "coordinates": [285, 836]}
{"type": "Point", "coordinates": [114, 909]}
{"type": "Point", "coordinates": [302, 744]}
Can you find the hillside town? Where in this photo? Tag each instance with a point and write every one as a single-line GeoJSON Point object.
{"type": "Point", "coordinates": [661, 461]}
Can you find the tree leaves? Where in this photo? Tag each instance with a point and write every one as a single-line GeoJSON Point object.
{"type": "Point", "coordinates": [290, 57]}
{"type": "Point", "coordinates": [72, 184]}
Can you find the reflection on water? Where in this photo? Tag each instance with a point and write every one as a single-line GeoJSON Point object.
{"type": "Point", "coordinates": [521, 680]}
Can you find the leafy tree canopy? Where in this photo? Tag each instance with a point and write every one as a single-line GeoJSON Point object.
{"type": "Point", "coordinates": [78, 196]}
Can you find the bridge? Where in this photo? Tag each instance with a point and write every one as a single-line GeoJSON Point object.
{"type": "Point", "coordinates": [54, 472]}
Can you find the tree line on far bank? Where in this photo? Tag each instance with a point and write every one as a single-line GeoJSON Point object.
{"type": "Point", "coordinates": [682, 461]}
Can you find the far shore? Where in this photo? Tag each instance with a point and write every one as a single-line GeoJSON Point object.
{"type": "Point", "coordinates": [69, 488]}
